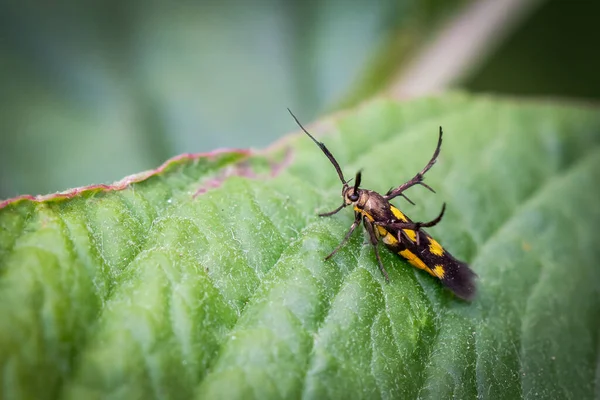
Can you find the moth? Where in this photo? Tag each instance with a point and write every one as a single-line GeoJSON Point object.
{"type": "Point", "coordinates": [386, 223]}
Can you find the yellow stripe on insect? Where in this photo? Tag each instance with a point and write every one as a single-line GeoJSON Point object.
{"type": "Point", "coordinates": [412, 235]}
{"type": "Point", "coordinates": [389, 239]}
{"type": "Point", "coordinates": [382, 232]}
{"type": "Point", "coordinates": [415, 261]}
{"type": "Point", "coordinates": [398, 214]}
{"type": "Point", "coordinates": [363, 212]}
{"type": "Point", "coordinates": [435, 247]}
{"type": "Point", "coordinates": [439, 271]}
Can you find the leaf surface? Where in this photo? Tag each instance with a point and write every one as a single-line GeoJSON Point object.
{"type": "Point", "coordinates": [207, 279]}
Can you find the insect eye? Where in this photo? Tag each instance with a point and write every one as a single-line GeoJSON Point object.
{"type": "Point", "coordinates": [353, 197]}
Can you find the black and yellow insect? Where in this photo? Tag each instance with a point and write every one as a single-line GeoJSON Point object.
{"type": "Point", "coordinates": [404, 237]}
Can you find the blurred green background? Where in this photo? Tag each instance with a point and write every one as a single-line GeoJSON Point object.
{"type": "Point", "coordinates": [94, 91]}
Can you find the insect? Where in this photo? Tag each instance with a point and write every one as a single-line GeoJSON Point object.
{"type": "Point", "coordinates": [398, 232]}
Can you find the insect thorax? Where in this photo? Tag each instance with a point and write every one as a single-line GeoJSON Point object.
{"type": "Point", "coordinates": [375, 205]}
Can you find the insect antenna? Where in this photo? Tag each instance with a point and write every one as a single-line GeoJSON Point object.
{"type": "Point", "coordinates": [357, 181]}
{"type": "Point", "coordinates": [354, 196]}
{"type": "Point", "coordinates": [417, 179]}
{"type": "Point", "coordinates": [324, 149]}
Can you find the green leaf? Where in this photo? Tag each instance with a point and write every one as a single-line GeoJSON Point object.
{"type": "Point", "coordinates": [206, 279]}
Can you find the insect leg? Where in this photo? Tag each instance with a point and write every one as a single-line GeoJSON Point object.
{"type": "Point", "coordinates": [418, 178]}
{"type": "Point", "coordinates": [401, 194]}
{"type": "Point", "coordinates": [330, 213]}
{"type": "Point", "coordinates": [348, 234]}
{"type": "Point", "coordinates": [375, 243]}
{"type": "Point", "coordinates": [413, 226]}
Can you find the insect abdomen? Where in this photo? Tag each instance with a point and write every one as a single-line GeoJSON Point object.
{"type": "Point", "coordinates": [431, 257]}
{"type": "Point", "coordinates": [454, 274]}
{"type": "Point", "coordinates": [459, 278]}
